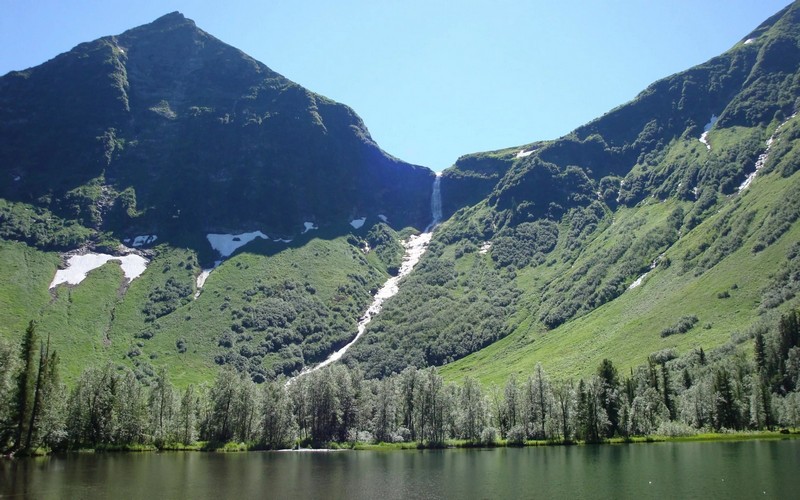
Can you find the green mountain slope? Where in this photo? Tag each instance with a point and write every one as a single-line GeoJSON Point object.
{"type": "Point", "coordinates": [572, 224]}
{"type": "Point", "coordinates": [665, 226]}
{"type": "Point", "coordinates": [166, 131]}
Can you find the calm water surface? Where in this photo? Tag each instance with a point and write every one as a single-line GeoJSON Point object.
{"type": "Point", "coordinates": [752, 469]}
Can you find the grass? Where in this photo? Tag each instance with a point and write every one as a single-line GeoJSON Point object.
{"type": "Point", "coordinates": [103, 318]}
{"type": "Point", "coordinates": [626, 330]}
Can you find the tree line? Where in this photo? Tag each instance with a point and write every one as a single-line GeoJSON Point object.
{"type": "Point", "coordinates": [109, 407]}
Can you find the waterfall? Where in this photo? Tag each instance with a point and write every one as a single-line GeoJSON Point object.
{"type": "Point", "coordinates": [436, 203]}
{"type": "Point", "coordinates": [415, 246]}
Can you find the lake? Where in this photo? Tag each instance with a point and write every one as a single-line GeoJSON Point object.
{"type": "Point", "coordinates": [748, 469]}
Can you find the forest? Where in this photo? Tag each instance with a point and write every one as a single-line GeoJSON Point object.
{"type": "Point", "coordinates": [109, 408]}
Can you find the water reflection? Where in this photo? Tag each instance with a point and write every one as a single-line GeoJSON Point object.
{"type": "Point", "coordinates": [767, 469]}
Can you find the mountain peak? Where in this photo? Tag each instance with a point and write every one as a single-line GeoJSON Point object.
{"type": "Point", "coordinates": [172, 19]}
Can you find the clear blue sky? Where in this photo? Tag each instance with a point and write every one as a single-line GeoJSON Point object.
{"type": "Point", "coordinates": [432, 79]}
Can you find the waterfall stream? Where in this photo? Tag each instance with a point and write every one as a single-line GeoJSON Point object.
{"type": "Point", "coordinates": [415, 247]}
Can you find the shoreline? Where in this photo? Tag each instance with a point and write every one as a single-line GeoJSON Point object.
{"type": "Point", "coordinates": [405, 446]}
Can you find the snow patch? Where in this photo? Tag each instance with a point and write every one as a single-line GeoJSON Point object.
{"type": "Point", "coordinates": [357, 223]}
{"type": "Point", "coordinates": [78, 266]}
{"type": "Point", "coordinates": [638, 281]}
{"type": "Point", "coordinates": [641, 278]}
{"type": "Point", "coordinates": [763, 157]}
{"type": "Point", "coordinates": [204, 274]}
{"type": "Point", "coordinates": [487, 245]}
{"type": "Point", "coordinates": [308, 227]}
{"type": "Point", "coordinates": [383, 218]}
{"type": "Point", "coordinates": [523, 153]}
{"type": "Point", "coordinates": [226, 244]}
{"type": "Point", "coordinates": [146, 239]}
{"type": "Point", "coordinates": [749, 41]}
{"type": "Point", "coordinates": [415, 247]}
{"type": "Point", "coordinates": [707, 129]}
{"type": "Point", "coordinates": [17, 178]}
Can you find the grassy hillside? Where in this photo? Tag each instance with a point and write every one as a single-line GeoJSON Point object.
{"type": "Point", "coordinates": [652, 187]}
{"type": "Point", "coordinates": [727, 299]}
{"type": "Point", "coordinates": [271, 308]}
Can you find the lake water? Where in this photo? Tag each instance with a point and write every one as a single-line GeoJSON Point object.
{"type": "Point", "coordinates": [751, 469]}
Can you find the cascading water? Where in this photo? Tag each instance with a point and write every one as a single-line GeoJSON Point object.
{"type": "Point", "coordinates": [415, 247]}
{"type": "Point", "coordinates": [436, 203]}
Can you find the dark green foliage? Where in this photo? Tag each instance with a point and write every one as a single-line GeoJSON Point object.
{"type": "Point", "coordinates": [725, 236]}
{"type": "Point", "coordinates": [122, 144]}
{"type": "Point", "coordinates": [610, 395]}
{"type": "Point", "coordinates": [27, 385]}
{"type": "Point", "coordinates": [583, 222]}
{"type": "Point", "coordinates": [438, 316]}
{"type": "Point", "coordinates": [780, 219]}
{"type": "Point", "coordinates": [290, 325]}
{"type": "Point", "coordinates": [538, 189]}
{"type": "Point", "coordinates": [683, 325]}
{"type": "Point", "coordinates": [726, 408]}
{"type": "Point", "coordinates": [525, 244]}
{"type": "Point", "coordinates": [604, 276]}
{"type": "Point", "coordinates": [39, 227]}
{"type": "Point", "coordinates": [786, 284]}
{"type": "Point", "coordinates": [385, 243]}
{"type": "Point", "coordinates": [472, 178]}
{"type": "Point", "coordinates": [166, 298]}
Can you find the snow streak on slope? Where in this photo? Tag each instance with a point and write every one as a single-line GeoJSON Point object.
{"type": "Point", "coordinates": [415, 247]}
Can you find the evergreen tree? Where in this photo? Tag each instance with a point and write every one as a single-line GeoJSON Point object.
{"type": "Point", "coordinates": [26, 386]}
{"type": "Point", "coordinates": [609, 394]}
{"type": "Point", "coordinates": [726, 414]}
{"type": "Point", "coordinates": [668, 392]}
{"type": "Point", "coordinates": [510, 416]}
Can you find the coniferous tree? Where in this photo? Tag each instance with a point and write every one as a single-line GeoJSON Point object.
{"type": "Point", "coordinates": [542, 400]}
{"type": "Point", "coordinates": [26, 385]}
{"type": "Point", "coordinates": [609, 394]}
{"type": "Point", "coordinates": [222, 398]}
{"type": "Point", "coordinates": [668, 392]}
{"type": "Point", "coordinates": [726, 414]}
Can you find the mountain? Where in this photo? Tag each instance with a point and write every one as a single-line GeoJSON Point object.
{"type": "Point", "coordinates": [261, 219]}
{"type": "Point", "coordinates": [213, 174]}
{"type": "Point", "coordinates": [645, 231]}
{"type": "Point", "coordinates": [166, 130]}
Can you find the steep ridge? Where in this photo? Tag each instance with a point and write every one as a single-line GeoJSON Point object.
{"type": "Point", "coordinates": [568, 226]}
{"type": "Point", "coordinates": [166, 130]}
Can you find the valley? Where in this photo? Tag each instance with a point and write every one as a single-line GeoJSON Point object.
{"type": "Point", "coordinates": [178, 217]}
